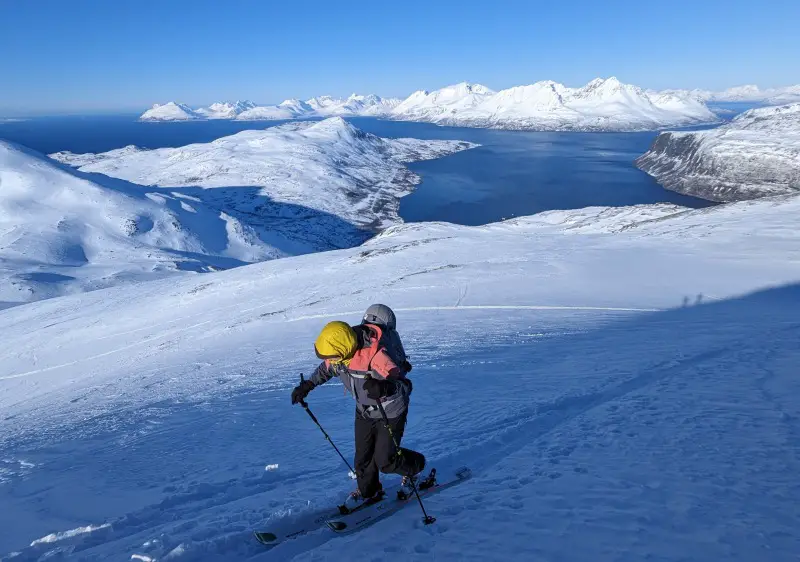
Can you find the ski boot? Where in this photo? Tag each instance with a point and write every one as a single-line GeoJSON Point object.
{"type": "Point", "coordinates": [409, 482]}
{"type": "Point", "coordinates": [356, 501]}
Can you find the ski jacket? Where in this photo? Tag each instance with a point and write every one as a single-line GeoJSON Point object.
{"type": "Point", "coordinates": [372, 359]}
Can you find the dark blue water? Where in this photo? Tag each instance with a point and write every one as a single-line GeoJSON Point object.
{"type": "Point", "coordinates": [511, 174]}
{"type": "Point", "coordinates": [517, 173]}
{"type": "Point", "coordinates": [731, 108]}
{"type": "Point", "coordinates": [101, 133]}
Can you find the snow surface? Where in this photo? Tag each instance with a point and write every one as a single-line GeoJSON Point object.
{"type": "Point", "coordinates": [757, 154]}
{"type": "Point", "coordinates": [295, 189]}
{"type": "Point", "coordinates": [598, 426]}
{"type": "Point", "coordinates": [601, 105]}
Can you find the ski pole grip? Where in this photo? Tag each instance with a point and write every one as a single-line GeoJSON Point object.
{"type": "Point", "coordinates": [303, 403]}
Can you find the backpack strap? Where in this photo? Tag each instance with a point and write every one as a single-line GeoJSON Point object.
{"type": "Point", "coordinates": [373, 359]}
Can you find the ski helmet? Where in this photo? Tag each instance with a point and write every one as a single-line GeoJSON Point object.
{"type": "Point", "coordinates": [381, 315]}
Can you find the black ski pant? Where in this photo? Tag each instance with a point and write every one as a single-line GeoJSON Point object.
{"type": "Point", "coordinates": [376, 453]}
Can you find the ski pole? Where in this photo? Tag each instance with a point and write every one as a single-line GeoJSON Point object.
{"type": "Point", "coordinates": [304, 404]}
{"type": "Point", "coordinates": [427, 519]}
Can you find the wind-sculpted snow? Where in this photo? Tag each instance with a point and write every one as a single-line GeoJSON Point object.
{"type": "Point", "coordinates": [64, 233]}
{"type": "Point", "coordinates": [254, 196]}
{"type": "Point", "coordinates": [601, 105]}
{"type": "Point", "coordinates": [757, 154]}
{"type": "Point", "coordinates": [597, 424]}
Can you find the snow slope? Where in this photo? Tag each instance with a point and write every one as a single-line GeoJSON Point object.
{"type": "Point", "coordinates": [170, 111]}
{"type": "Point", "coordinates": [62, 232]}
{"type": "Point", "coordinates": [277, 192]}
{"type": "Point", "coordinates": [757, 154]}
{"type": "Point", "coordinates": [153, 422]}
{"type": "Point", "coordinates": [601, 105]}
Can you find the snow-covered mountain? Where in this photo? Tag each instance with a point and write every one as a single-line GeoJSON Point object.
{"type": "Point", "coordinates": [323, 106]}
{"type": "Point", "coordinates": [752, 93]}
{"type": "Point", "coordinates": [225, 110]}
{"type": "Point", "coordinates": [747, 93]}
{"type": "Point", "coordinates": [328, 166]}
{"type": "Point", "coordinates": [355, 105]}
{"type": "Point", "coordinates": [253, 196]}
{"type": "Point", "coordinates": [598, 424]}
{"type": "Point", "coordinates": [288, 109]}
{"type": "Point", "coordinates": [757, 154]}
{"type": "Point", "coordinates": [428, 106]}
{"type": "Point", "coordinates": [601, 105]}
{"type": "Point", "coordinates": [170, 111]}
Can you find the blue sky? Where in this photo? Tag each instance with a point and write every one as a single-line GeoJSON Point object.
{"type": "Point", "coordinates": [105, 55]}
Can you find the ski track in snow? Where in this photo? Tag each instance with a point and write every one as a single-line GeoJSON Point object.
{"type": "Point", "coordinates": [619, 430]}
{"type": "Point", "coordinates": [528, 447]}
{"type": "Point", "coordinates": [312, 317]}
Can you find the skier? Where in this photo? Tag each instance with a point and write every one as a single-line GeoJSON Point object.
{"type": "Point", "coordinates": [370, 361]}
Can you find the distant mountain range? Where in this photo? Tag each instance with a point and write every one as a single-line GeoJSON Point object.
{"type": "Point", "coordinates": [748, 93]}
{"type": "Point", "coordinates": [322, 106]}
{"type": "Point", "coordinates": [601, 105]}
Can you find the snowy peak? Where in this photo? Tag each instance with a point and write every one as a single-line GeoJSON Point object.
{"type": "Point", "coordinates": [296, 107]}
{"type": "Point", "coordinates": [338, 127]}
{"type": "Point", "coordinates": [741, 93]}
{"type": "Point", "coordinates": [461, 90]}
{"type": "Point", "coordinates": [602, 104]}
{"type": "Point", "coordinates": [353, 105]}
{"type": "Point", "coordinates": [424, 105]}
{"type": "Point", "coordinates": [747, 93]}
{"type": "Point", "coordinates": [169, 111]}
{"type": "Point", "coordinates": [225, 110]}
{"type": "Point", "coordinates": [322, 106]}
{"type": "Point", "coordinates": [321, 102]}
{"type": "Point", "coordinates": [608, 89]}
{"type": "Point", "coordinates": [541, 95]}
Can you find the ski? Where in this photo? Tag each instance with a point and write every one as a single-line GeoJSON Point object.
{"type": "Point", "coordinates": [293, 527]}
{"type": "Point", "coordinates": [370, 515]}
{"type": "Point", "coordinates": [357, 518]}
